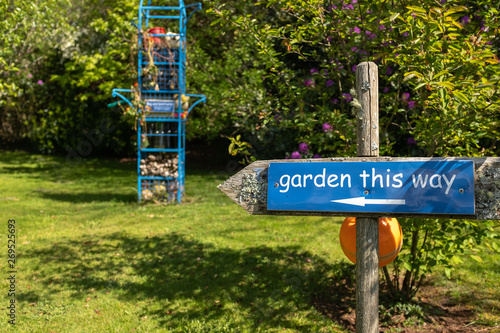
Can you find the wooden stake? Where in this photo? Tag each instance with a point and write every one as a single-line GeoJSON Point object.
{"type": "Point", "coordinates": [367, 254]}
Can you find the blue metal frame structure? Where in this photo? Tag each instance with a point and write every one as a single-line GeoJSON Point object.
{"type": "Point", "coordinates": [162, 87]}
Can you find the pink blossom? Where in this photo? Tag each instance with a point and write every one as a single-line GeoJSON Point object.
{"type": "Point", "coordinates": [295, 155]}
{"type": "Point", "coordinates": [357, 30]}
{"type": "Point", "coordinates": [411, 104]}
{"type": "Point", "coordinates": [40, 82]}
{"type": "Point", "coordinates": [327, 127]}
{"type": "Point", "coordinates": [347, 97]}
{"type": "Point", "coordinates": [303, 147]}
{"type": "Point", "coordinates": [411, 141]}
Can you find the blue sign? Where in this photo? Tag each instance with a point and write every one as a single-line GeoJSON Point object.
{"type": "Point", "coordinates": [424, 187]}
{"type": "Point", "coordinates": [160, 105]}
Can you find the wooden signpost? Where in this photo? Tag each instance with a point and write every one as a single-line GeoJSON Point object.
{"type": "Point", "coordinates": [369, 186]}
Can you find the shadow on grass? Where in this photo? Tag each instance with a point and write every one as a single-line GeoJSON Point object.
{"type": "Point", "coordinates": [59, 169]}
{"type": "Point", "coordinates": [196, 281]}
{"type": "Point", "coordinates": [88, 181]}
{"type": "Point", "coordinates": [87, 197]}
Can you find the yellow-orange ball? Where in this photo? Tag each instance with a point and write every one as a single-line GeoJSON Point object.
{"type": "Point", "coordinates": [390, 239]}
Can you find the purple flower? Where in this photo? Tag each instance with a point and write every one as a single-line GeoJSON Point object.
{"type": "Point", "coordinates": [411, 141]}
{"type": "Point", "coordinates": [40, 82]}
{"type": "Point", "coordinates": [405, 97]}
{"type": "Point", "coordinates": [347, 97]}
{"type": "Point", "coordinates": [329, 83]}
{"type": "Point", "coordinates": [381, 27]}
{"type": "Point", "coordinates": [314, 70]}
{"type": "Point", "coordinates": [277, 118]}
{"type": "Point", "coordinates": [303, 147]}
{"type": "Point", "coordinates": [465, 19]}
{"type": "Point", "coordinates": [308, 82]}
{"type": "Point", "coordinates": [316, 156]}
{"type": "Point", "coordinates": [334, 100]}
{"type": "Point", "coordinates": [354, 48]}
{"type": "Point", "coordinates": [389, 71]}
{"type": "Point", "coordinates": [411, 104]}
{"type": "Point", "coordinates": [357, 30]}
{"type": "Point", "coordinates": [372, 36]}
{"type": "Point", "coordinates": [386, 90]}
{"type": "Point", "coordinates": [327, 127]}
{"type": "Point", "coordinates": [295, 155]}
{"type": "Point", "coordinates": [353, 68]}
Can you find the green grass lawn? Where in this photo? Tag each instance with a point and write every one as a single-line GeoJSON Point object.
{"type": "Point", "coordinates": [90, 259]}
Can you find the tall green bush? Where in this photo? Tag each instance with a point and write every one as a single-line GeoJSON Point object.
{"type": "Point", "coordinates": [311, 48]}
{"type": "Point", "coordinates": [63, 58]}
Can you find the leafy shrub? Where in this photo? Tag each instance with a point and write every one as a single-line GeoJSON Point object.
{"type": "Point", "coordinates": [438, 82]}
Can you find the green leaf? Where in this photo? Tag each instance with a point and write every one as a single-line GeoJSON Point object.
{"type": "Point", "coordinates": [417, 9]}
{"type": "Point", "coordinates": [461, 96]}
{"type": "Point", "coordinates": [214, 22]}
{"type": "Point", "coordinates": [393, 16]}
{"type": "Point", "coordinates": [407, 266]}
{"type": "Point", "coordinates": [446, 84]}
{"type": "Point", "coordinates": [441, 73]}
{"type": "Point", "coordinates": [476, 258]}
{"type": "Point", "coordinates": [455, 10]}
{"type": "Point", "coordinates": [415, 73]}
{"type": "Point", "coordinates": [420, 85]}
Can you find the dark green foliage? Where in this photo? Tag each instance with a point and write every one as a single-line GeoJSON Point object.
{"type": "Point", "coordinates": [64, 58]}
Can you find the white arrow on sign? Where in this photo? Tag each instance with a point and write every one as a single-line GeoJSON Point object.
{"type": "Point", "coordinates": [362, 201]}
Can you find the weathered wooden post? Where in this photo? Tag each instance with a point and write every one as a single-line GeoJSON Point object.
{"type": "Point", "coordinates": [367, 248]}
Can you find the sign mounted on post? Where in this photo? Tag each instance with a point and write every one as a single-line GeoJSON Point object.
{"type": "Point", "coordinates": [368, 187]}
{"type": "Point", "coordinates": [425, 187]}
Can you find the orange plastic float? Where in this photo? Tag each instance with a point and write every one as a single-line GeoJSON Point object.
{"type": "Point", "coordinates": [390, 239]}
